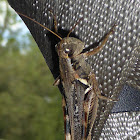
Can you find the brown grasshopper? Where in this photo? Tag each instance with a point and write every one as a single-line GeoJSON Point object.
{"type": "Point", "coordinates": [81, 91]}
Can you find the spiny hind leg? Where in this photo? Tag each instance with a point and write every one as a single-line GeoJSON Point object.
{"type": "Point", "coordinates": [90, 110]}
{"type": "Point", "coordinates": [85, 117]}
{"type": "Point", "coordinates": [99, 48]}
{"type": "Point", "coordinates": [90, 105]}
{"type": "Point", "coordinates": [87, 109]}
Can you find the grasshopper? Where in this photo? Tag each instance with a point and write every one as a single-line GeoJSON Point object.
{"type": "Point", "coordinates": [81, 91]}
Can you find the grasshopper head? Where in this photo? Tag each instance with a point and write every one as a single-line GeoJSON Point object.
{"type": "Point", "coordinates": [69, 47]}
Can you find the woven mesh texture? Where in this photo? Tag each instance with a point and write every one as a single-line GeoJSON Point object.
{"type": "Point", "coordinates": [122, 126]}
{"type": "Point", "coordinates": [117, 64]}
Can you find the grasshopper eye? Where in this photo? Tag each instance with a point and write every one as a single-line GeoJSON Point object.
{"type": "Point", "coordinates": [67, 50]}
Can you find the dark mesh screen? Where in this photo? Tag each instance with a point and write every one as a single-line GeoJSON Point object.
{"type": "Point", "coordinates": [116, 66]}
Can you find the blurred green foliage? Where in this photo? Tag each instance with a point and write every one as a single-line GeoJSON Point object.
{"type": "Point", "coordinates": [30, 107]}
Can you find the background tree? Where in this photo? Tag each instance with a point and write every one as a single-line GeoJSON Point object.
{"type": "Point", "coordinates": [30, 107]}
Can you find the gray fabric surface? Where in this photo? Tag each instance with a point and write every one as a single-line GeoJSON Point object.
{"type": "Point", "coordinates": [129, 100]}
{"type": "Point", "coordinates": [122, 126]}
{"type": "Point", "coordinates": [116, 65]}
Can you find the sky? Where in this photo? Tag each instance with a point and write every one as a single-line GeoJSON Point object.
{"type": "Point", "coordinates": [19, 25]}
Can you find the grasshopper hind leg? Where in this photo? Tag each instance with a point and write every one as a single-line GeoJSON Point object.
{"type": "Point", "coordinates": [92, 96]}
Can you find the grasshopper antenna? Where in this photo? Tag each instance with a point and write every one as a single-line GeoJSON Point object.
{"type": "Point", "coordinates": [40, 25]}
{"type": "Point", "coordinates": [74, 26]}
